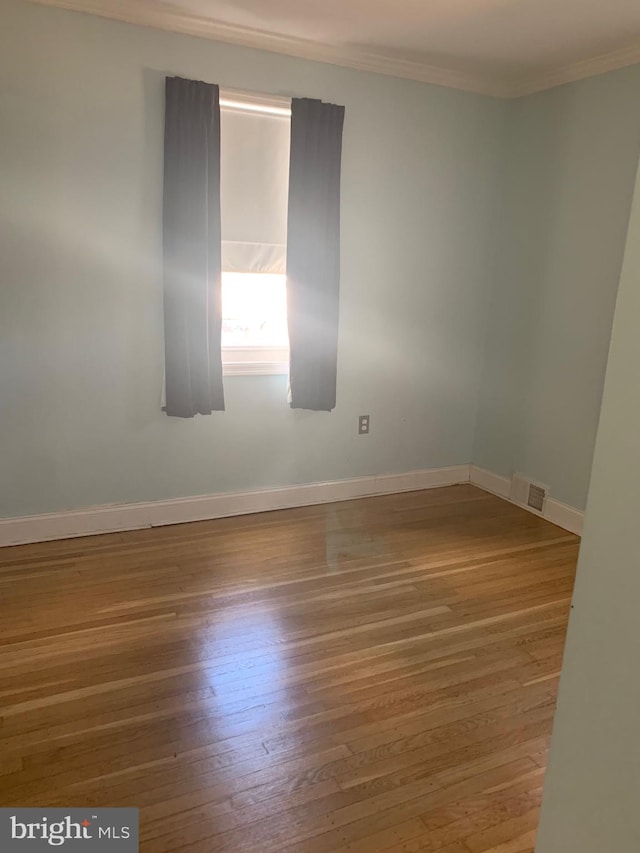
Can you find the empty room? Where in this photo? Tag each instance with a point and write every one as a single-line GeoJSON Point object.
{"type": "Point", "coordinates": [319, 418]}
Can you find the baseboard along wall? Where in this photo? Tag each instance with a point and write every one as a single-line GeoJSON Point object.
{"type": "Point", "coordinates": [555, 511]}
{"type": "Point", "coordinates": [133, 516]}
{"type": "Point", "coordinates": [118, 517]}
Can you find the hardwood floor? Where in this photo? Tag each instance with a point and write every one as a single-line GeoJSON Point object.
{"type": "Point", "coordinates": [376, 675]}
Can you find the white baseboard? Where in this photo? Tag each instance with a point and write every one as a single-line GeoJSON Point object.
{"type": "Point", "coordinates": [556, 512]}
{"type": "Point", "coordinates": [115, 517]}
{"type": "Point", "coordinates": [490, 482]}
{"type": "Point", "coordinates": [563, 515]}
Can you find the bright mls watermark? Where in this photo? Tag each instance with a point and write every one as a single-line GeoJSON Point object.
{"type": "Point", "coordinates": [79, 830]}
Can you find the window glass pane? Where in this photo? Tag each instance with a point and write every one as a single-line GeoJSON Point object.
{"type": "Point", "coordinates": [254, 310]}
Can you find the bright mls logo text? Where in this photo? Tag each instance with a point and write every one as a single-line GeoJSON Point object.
{"type": "Point", "coordinates": [75, 829]}
{"type": "Point", "coordinates": [56, 833]}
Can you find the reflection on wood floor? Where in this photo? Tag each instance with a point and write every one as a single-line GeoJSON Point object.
{"type": "Point", "coordinates": [375, 675]}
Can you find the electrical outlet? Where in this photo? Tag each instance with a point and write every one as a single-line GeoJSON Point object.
{"type": "Point", "coordinates": [363, 424]}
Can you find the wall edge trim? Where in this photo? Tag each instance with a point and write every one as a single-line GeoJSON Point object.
{"type": "Point", "coordinates": [557, 512]}
{"type": "Point", "coordinates": [112, 518]}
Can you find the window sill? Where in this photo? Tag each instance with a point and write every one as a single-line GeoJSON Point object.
{"type": "Point", "coordinates": [255, 361]}
{"type": "Point", "coordinates": [256, 368]}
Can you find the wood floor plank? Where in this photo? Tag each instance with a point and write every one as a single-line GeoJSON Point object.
{"type": "Point", "coordinates": [374, 675]}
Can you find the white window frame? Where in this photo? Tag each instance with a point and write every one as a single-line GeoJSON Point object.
{"type": "Point", "coordinates": [255, 360]}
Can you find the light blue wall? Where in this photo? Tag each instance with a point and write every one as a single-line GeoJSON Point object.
{"type": "Point", "coordinates": [567, 186]}
{"type": "Point", "coordinates": [81, 102]}
{"type": "Point", "coordinates": [591, 789]}
{"type": "Point", "coordinates": [482, 243]}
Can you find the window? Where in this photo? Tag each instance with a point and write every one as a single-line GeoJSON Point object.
{"type": "Point", "coordinates": [254, 166]}
{"type": "Point", "coordinates": [254, 323]}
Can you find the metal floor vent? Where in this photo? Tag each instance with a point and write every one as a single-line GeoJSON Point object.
{"type": "Point", "coordinates": [537, 494]}
{"type": "Point", "coordinates": [527, 493]}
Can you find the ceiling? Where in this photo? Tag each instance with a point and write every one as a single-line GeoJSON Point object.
{"type": "Point", "coordinates": [500, 47]}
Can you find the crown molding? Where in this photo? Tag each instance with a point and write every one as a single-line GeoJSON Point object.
{"type": "Point", "coordinates": [620, 58]}
{"type": "Point", "coordinates": [165, 17]}
{"type": "Point", "coordinates": [162, 16]}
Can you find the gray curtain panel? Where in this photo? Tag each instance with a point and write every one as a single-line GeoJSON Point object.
{"type": "Point", "coordinates": [192, 249]}
{"type": "Point", "coordinates": [313, 252]}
